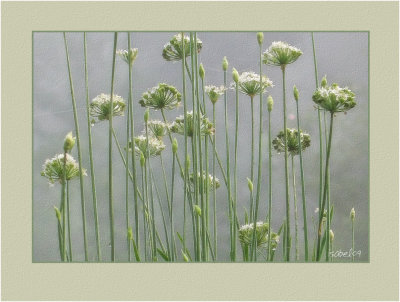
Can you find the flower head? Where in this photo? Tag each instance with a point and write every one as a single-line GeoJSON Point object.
{"type": "Point", "coordinates": [334, 98]}
{"type": "Point", "coordinates": [292, 141]}
{"type": "Point", "coordinates": [128, 56]}
{"type": "Point", "coordinates": [155, 146]}
{"type": "Point", "coordinates": [352, 214]}
{"type": "Point", "coordinates": [173, 51]}
{"type": "Point", "coordinates": [262, 228]}
{"type": "Point", "coordinates": [212, 181]}
{"type": "Point", "coordinates": [214, 92]}
{"type": "Point", "coordinates": [53, 169]}
{"type": "Point", "coordinates": [178, 126]}
{"type": "Point", "coordinates": [158, 128]}
{"type": "Point", "coordinates": [100, 106]}
{"type": "Point", "coordinates": [249, 84]}
{"type": "Point", "coordinates": [162, 96]}
{"type": "Point", "coordinates": [281, 54]}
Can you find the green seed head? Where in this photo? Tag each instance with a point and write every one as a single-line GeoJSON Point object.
{"type": "Point", "coordinates": [197, 209]}
{"type": "Point", "coordinates": [250, 184]}
{"type": "Point", "coordinates": [130, 235]}
{"type": "Point", "coordinates": [225, 64]}
{"type": "Point", "coordinates": [58, 213]}
{"type": "Point", "coordinates": [235, 75]}
{"type": "Point", "coordinates": [142, 159]}
{"type": "Point", "coordinates": [174, 146]}
{"type": "Point", "coordinates": [202, 71]}
{"type": "Point", "coordinates": [352, 214]}
{"type": "Point", "coordinates": [270, 103]}
{"type": "Point", "coordinates": [69, 142]}
{"type": "Point", "coordinates": [296, 93]}
{"type": "Point", "coordinates": [260, 38]}
{"type": "Point", "coordinates": [146, 115]}
{"type": "Point", "coordinates": [324, 82]}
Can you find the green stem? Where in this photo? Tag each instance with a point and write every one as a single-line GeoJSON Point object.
{"type": "Point", "coordinates": [78, 143]}
{"type": "Point", "coordinates": [269, 184]}
{"type": "Point", "coordinates": [286, 169]}
{"type": "Point", "coordinates": [69, 224]}
{"type": "Point", "coordinates": [215, 194]}
{"type": "Point", "coordinates": [252, 161]}
{"type": "Point", "coordinates": [64, 209]}
{"type": "Point", "coordinates": [328, 206]}
{"type": "Point", "coordinates": [127, 177]}
{"type": "Point", "coordinates": [144, 193]}
{"type": "Point", "coordinates": [235, 164]}
{"type": "Point", "coordinates": [352, 240]}
{"type": "Point", "coordinates": [303, 191]}
{"type": "Point", "coordinates": [92, 175]}
{"type": "Point", "coordinates": [328, 151]}
{"type": "Point", "coordinates": [295, 211]}
{"type": "Point", "coordinates": [171, 211]}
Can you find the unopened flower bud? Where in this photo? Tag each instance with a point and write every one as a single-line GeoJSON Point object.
{"type": "Point", "coordinates": [225, 64]}
{"type": "Point", "coordinates": [250, 184]}
{"type": "Point", "coordinates": [197, 209]}
{"type": "Point", "coordinates": [331, 235]}
{"type": "Point", "coordinates": [235, 75]}
{"type": "Point", "coordinates": [201, 71]}
{"type": "Point", "coordinates": [130, 234]}
{"type": "Point", "coordinates": [260, 38]}
{"type": "Point", "coordinates": [270, 103]}
{"type": "Point", "coordinates": [146, 115]}
{"type": "Point", "coordinates": [296, 93]}
{"type": "Point", "coordinates": [185, 257]}
{"type": "Point", "coordinates": [69, 142]}
{"type": "Point", "coordinates": [174, 146]}
{"type": "Point", "coordinates": [352, 214]}
{"type": "Point", "coordinates": [58, 213]}
{"type": "Point", "coordinates": [324, 82]}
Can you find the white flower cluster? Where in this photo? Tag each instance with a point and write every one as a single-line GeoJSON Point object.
{"type": "Point", "coordinates": [53, 169]}
{"type": "Point", "coordinates": [280, 54]}
{"type": "Point", "coordinates": [100, 106]}
{"type": "Point", "coordinates": [250, 226]}
{"type": "Point", "coordinates": [156, 146]}
{"type": "Point", "coordinates": [214, 92]}
{"type": "Point", "coordinates": [128, 56]}
{"type": "Point", "coordinates": [249, 83]}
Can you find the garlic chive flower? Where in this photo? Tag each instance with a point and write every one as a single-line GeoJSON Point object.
{"type": "Point", "coordinates": [157, 128]}
{"type": "Point", "coordinates": [262, 228]}
{"type": "Point", "coordinates": [100, 107]}
{"type": "Point", "coordinates": [129, 56]}
{"type": "Point", "coordinates": [352, 214]}
{"type": "Point", "coordinates": [281, 54]}
{"type": "Point", "coordinates": [172, 51]}
{"type": "Point", "coordinates": [53, 169]}
{"type": "Point", "coordinates": [334, 98]}
{"type": "Point", "coordinates": [155, 146]}
{"type": "Point", "coordinates": [292, 141]}
{"type": "Point", "coordinates": [162, 96]}
{"type": "Point", "coordinates": [249, 84]}
{"type": "Point", "coordinates": [214, 92]}
{"type": "Point", "coordinates": [178, 126]}
{"type": "Point", "coordinates": [212, 181]}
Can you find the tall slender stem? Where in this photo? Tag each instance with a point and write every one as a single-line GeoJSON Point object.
{"type": "Point", "coordinates": [171, 211]}
{"type": "Point", "coordinates": [352, 240]}
{"type": "Point", "coordinates": [295, 210]}
{"type": "Point", "coordinates": [328, 206]}
{"type": "Point", "coordinates": [69, 225]}
{"type": "Point", "coordinates": [286, 169]}
{"type": "Point", "coordinates": [78, 143]}
{"type": "Point", "coordinates": [128, 117]}
{"type": "Point", "coordinates": [269, 184]}
{"type": "Point", "coordinates": [303, 191]}
{"type": "Point", "coordinates": [252, 161]}
{"type": "Point", "coordinates": [236, 155]}
{"type": "Point", "coordinates": [215, 194]}
{"type": "Point", "coordinates": [145, 206]}
{"type": "Point", "coordinates": [92, 175]}
{"type": "Point", "coordinates": [64, 209]}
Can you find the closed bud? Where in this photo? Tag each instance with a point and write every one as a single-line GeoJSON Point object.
{"type": "Point", "coordinates": [174, 146]}
{"type": "Point", "coordinates": [58, 213]}
{"type": "Point", "coordinates": [146, 115]}
{"type": "Point", "coordinates": [324, 82]}
{"type": "Point", "coordinates": [270, 103]}
{"type": "Point", "coordinates": [142, 159]}
{"type": "Point", "coordinates": [331, 235]}
{"type": "Point", "coordinates": [201, 71]}
{"type": "Point", "coordinates": [352, 214]}
{"type": "Point", "coordinates": [197, 209]}
{"type": "Point", "coordinates": [260, 38]}
{"type": "Point", "coordinates": [296, 93]}
{"type": "Point", "coordinates": [69, 142]}
{"type": "Point", "coordinates": [185, 257]}
{"type": "Point", "coordinates": [250, 184]}
{"type": "Point", "coordinates": [225, 64]}
{"type": "Point", "coordinates": [235, 75]}
{"type": "Point", "coordinates": [130, 234]}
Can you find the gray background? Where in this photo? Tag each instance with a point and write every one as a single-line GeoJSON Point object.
{"type": "Point", "coordinates": [343, 57]}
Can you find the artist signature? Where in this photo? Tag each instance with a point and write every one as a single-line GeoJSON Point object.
{"type": "Point", "coordinates": [345, 254]}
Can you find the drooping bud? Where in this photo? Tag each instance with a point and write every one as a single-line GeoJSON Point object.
{"type": "Point", "coordinates": [250, 184]}
{"type": "Point", "coordinates": [296, 93]}
{"type": "Point", "coordinates": [235, 75]}
{"type": "Point", "coordinates": [260, 38]}
{"type": "Point", "coordinates": [69, 142]}
{"type": "Point", "coordinates": [142, 159]}
{"type": "Point", "coordinates": [331, 235]}
{"type": "Point", "coordinates": [146, 115]}
{"type": "Point", "coordinates": [197, 209]}
{"type": "Point", "coordinates": [352, 214]}
{"type": "Point", "coordinates": [201, 71]}
{"type": "Point", "coordinates": [174, 146]}
{"type": "Point", "coordinates": [225, 64]}
{"type": "Point", "coordinates": [270, 103]}
{"type": "Point", "coordinates": [130, 234]}
{"type": "Point", "coordinates": [324, 82]}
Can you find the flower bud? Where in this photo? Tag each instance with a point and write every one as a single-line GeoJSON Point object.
{"type": "Point", "coordinates": [331, 235]}
{"type": "Point", "coordinates": [58, 213]}
{"type": "Point", "coordinates": [201, 71]}
{"type": "Point", "coordinates": [260, 38]}
{"type": "Point", "coordinates": [352, 214]}
{"type": "Point", "coordinates": [270, 103]}
{"type": "Point", "coordinates": [185, 257]}
{"type": "Point", "coordinates": [197, 209]}
{"type": "Point", "coordinates": [142, 159]}
{"type": "Point", "coordinates": [225, 64]}
{"type": "Point", "coordinates": [174, 146]}
{"type": "Point", "coordinates": [250, 184]}
{"type": "Point", "coordinates": [296, 93]}
{"type": "Point", "coordinates": [324, 82]}
{"type": "Point", "coordinates": [235, 75]}
{"type": "Point", "coordinates": [146, 115]}
{"type": "Point", "coordinates": [130, 235]}
{"type": "Point", "coordinates": [69, 142]}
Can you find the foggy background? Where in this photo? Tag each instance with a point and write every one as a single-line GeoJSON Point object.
{"type": "Point", "coordinates": [342, 56]}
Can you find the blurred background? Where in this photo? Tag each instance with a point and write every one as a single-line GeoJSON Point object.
{"type": "Point", "coordinates": [342, 56]}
